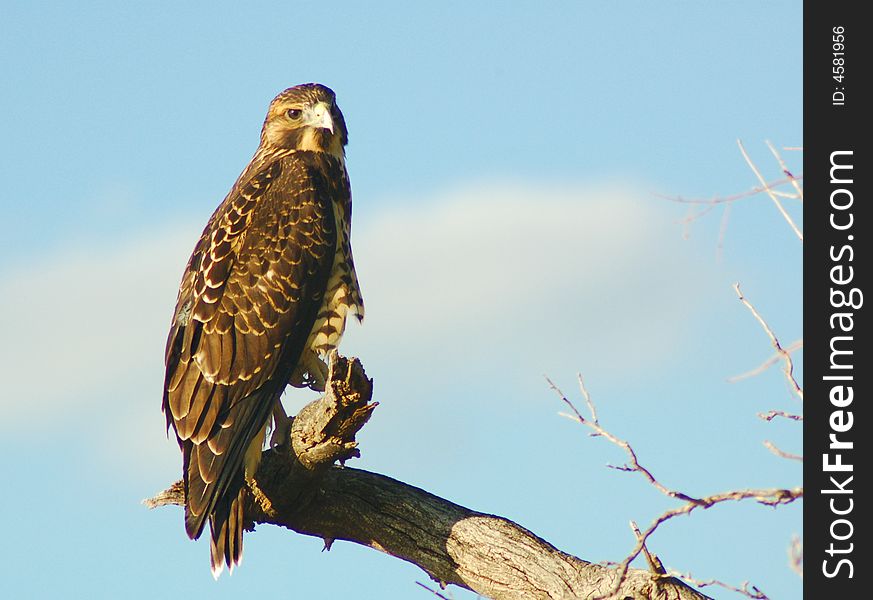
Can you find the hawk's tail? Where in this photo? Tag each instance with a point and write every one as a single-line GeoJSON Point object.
{"type": "Point", "coordinates": [226, 527]}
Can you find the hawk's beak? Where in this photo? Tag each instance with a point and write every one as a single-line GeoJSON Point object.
{"type": "Point", "coordinates": [320, 117]}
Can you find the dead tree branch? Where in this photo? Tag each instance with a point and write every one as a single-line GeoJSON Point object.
{"type": "Point", "coordinates": [767, 497]}
{"type": "Point", "coordinates": [734, 197]}
{"type": "Point", "coordinates": [747, 589]}
{"type": "Point", "coordinates": [772, 360]}
{"type": "Point", "coordinates": [770, 192]}
{"type": "Point", "coordinates": [780, 350]}
{"type": "Point", "coordinates": [794, 180]}
{"type": "Point", "coordinates": [299, 487]}
{"type": "Point", "coordinates": [699, 207]}
{"type": "Point", "coordinates": [772, 414]}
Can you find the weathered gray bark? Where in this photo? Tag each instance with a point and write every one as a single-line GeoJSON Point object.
{"type": "Point", "coordinates": [303, 490]}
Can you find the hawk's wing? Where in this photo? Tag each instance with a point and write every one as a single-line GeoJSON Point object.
{"type": "Point", "coordinates": [247, 303]}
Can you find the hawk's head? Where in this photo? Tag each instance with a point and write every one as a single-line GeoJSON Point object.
{"type": "Point", "coordinates": [306, 117]}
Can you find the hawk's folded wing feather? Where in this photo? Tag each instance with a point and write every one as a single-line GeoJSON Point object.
{"type": "Point", "coordinates": [248, 300]}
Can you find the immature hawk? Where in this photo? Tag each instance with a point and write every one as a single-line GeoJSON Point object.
{"type": "Point", "coordinates": [263, 300]}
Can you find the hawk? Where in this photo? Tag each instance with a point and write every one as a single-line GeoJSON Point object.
{"type": "Point", "coordinates": [263, 301]}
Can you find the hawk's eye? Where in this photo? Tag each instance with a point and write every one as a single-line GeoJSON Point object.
{"type": "Point", "coordinates": [294, 113]}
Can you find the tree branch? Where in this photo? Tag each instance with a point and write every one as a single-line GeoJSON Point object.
{"type": "Point", "coordinates": [767, 497]}
{"type": "Point", "coordinates": [770, 191]}
{"type": "Point", "coordinates": [298, 487]}
{"type": "Point", "coordinates": [780, 350]}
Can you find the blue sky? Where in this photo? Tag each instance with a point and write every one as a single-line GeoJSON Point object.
{"type": "Point", "coordinates": [503, 162]}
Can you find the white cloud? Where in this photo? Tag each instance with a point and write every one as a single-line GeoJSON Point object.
{"type": "Point", "coordinates": [489, 278]}
{"type": "Point", "coordinates": [524, 274]}
{"type": "Point", "coordinates": [85, 322]}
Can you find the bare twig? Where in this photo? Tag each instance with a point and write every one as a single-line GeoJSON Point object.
{"type": "Point", "coordinates": [785, 170]}
{"type": "Point", "coordinates": [748, 590]}
{"type": "Point", "coordinates": [591, 408]}
{"type": "Point", "coordinates": [434, 592]}
{"type": "Point", "coordinates": [781, 453]}
{"type": "Point", "coordinates": [786, 356]}
{"type": "Point", "coordinates": [772, 414]}
{"type": "Point", "coordinates": [634, 465]}
{"type": "Point", "coordinates": [722, 231]}
{"type": "Point", "coordinates": [655, 564]}
{"type": "Point", "coordinates": [770, 192]}
{"type": "Point", "coordinates": [795, 555]}
{"type": "Point", "coordinates": [790, 348]}
{"type": "Point", "coordinates": [692, 216]}
{"type": "Point", "coordinates": [733, 198]}
{"type": "Point", "coordinates": [577, 416]}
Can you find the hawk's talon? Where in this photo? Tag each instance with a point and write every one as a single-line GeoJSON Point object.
{"type": "Point", "coordinates": [317, 370]}
{"type": "Point", "coordinates": [281, 428]}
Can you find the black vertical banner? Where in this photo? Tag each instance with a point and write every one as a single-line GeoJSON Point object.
{"type": "Point", "coordinates": [837, 226]}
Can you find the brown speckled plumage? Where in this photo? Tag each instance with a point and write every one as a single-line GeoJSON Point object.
{"type": "Point", "coordinates": [271, 277]}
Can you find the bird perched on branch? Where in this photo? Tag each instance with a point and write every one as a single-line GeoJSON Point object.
{"type": "Point", "coordinates": [263, 300]}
